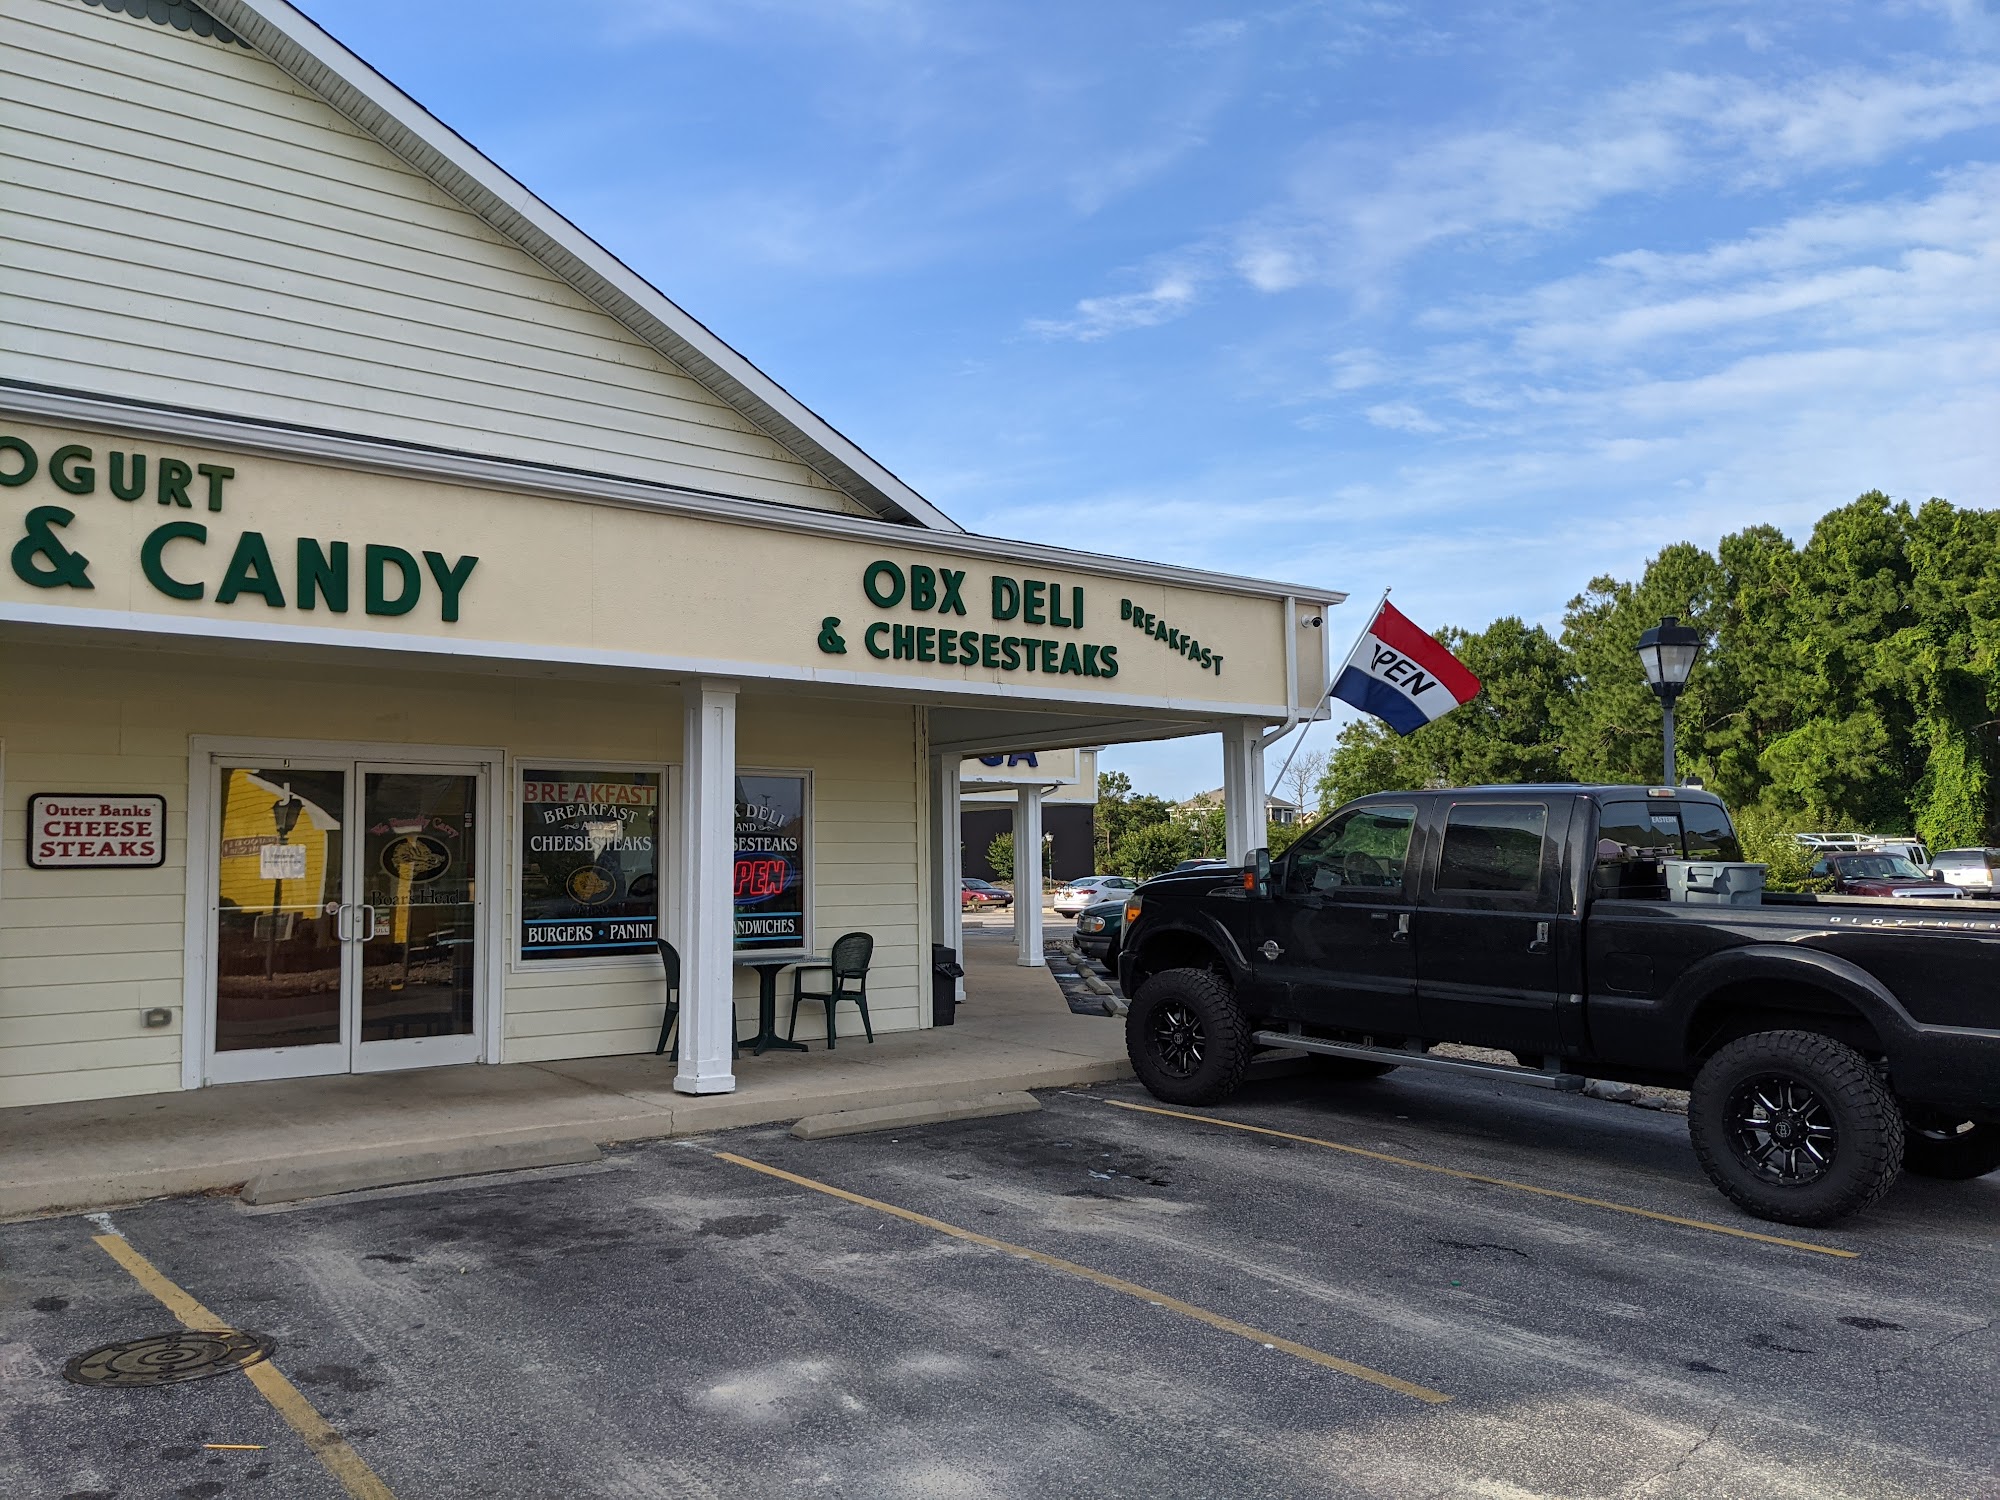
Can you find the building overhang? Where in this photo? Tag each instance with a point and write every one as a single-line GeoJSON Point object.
{"type": "Point", "coordinates": [310, 542]}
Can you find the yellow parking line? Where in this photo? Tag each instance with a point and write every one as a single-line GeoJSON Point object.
{"type": "Point", "coordinates": [1112, 1283]}
{"type": "Point", "coordinates": [327, 1445]}
{"type": "Point", "coordinates": [1519, 1187]}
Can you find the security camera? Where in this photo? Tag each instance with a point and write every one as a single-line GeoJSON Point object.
{"type": "Point", "coordinates": [1311, 622]}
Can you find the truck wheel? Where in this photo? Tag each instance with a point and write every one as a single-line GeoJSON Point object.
{"type": "Point", "coordinates": [1186, 1038]}
{"type": "Point", "coordinates": [1955, 1150]}
{"type": "Point", "coordinates": [1796, 1127]}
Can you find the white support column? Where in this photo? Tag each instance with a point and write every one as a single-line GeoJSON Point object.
{"type": "Point", "coordinates": [1028, 876]}
{"type": "Point", "coordinates": [947, 859]}
{"type": "Point", "coordinates": [704, 876]}
{"type": "Point", "coordinates": [1242, 789]}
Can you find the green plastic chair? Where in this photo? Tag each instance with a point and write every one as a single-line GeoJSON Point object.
{"type": "Point", "coordinates": [848, 980]}
{"type": "Point", "coordinates": [670, 960]}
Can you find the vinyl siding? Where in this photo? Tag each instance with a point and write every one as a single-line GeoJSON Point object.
{"type": "Point", "coordinates": [181, 223]}
{"type": "Point", "coordinates": [83, 953]}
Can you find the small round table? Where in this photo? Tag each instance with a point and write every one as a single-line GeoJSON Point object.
{"type": "Point", "coordinates": [769, 966]}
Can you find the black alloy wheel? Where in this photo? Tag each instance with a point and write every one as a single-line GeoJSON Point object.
{"type": "Point", "coordinates": [1177, 1038]}
{"type": "Point", "coordinates": [1782, 1130]}
{"type": "Point", "coordinates": [1795, 1126]}
{"type": "Point", "coordinates": [1187, 1039]}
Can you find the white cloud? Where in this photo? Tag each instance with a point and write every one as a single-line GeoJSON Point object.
{"type": "Point", "coordinates": [1865, 270]}
{"type": "Point", "coordinates": [1402, 416]}
{"type": "Point", "coordinates": [1171, 294]}
{"type": "Point", "coordinates": [1360, 205]}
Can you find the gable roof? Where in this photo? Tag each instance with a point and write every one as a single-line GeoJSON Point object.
{"type": "Point", "coordinates": [313, 59]}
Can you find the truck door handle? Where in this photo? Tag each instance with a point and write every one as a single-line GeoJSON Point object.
{"type": "Point", "coordinates": [1541, 942]}
{"type": "Point", "coordinates": [1402, 932]}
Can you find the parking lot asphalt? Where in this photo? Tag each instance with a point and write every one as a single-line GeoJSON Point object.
{"type": "Point", "coordinates": [1096, 1299]}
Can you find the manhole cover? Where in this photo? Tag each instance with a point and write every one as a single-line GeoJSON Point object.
{"type": "Point", "coordinates": [165, 1358]}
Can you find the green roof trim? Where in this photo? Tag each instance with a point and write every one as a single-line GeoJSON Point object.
{"type": "Point", "coordinates": [182, 15]}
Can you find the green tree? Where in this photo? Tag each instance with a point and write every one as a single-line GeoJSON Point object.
{"type": "Point", "coordinates": [1119, 811]}
{"type": "Point", "coordinates": [1000, 855]}
{"type": "Point", "coordinates": [1770, 838]}
{"type": "Point", "coordinates": [1205, 834]}
{"type": "Point", "coordinates": [1609, 721]}
{"type": "Point", "coordinates": [1851, 682]}
{"type": "Point", "coordinates": [1145, 851]}
{"type": "Point", "coordinates": [1279, 837]}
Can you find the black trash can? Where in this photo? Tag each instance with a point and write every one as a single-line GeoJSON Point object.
{"type": "Point", "coordinates": [945, 975]}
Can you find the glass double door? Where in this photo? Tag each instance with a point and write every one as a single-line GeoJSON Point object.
{"type": "Point", "coordinates": [346, 917]}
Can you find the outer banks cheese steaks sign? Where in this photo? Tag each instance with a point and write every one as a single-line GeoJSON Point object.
{"type": "Point", "coordinates": [84, 831]}
{"type": "Point", "coordinates": [180, 559]}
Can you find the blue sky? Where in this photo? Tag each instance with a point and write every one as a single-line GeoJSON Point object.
{"type": "Point", "coordinates": [1477, 300]}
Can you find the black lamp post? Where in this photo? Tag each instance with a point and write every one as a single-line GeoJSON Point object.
{"type": "Point", "coordinates": [285, 815]}
{"type": "Point", "coordinates": [1668, 651]}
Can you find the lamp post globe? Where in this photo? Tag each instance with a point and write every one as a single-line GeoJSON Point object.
{"type": "Point", "coordinates": [1667, 652]}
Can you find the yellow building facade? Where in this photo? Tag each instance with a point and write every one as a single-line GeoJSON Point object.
{"type": "Point", "coordinates": [479, 619]}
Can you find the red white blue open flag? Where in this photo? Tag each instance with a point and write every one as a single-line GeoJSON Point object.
{"type": "Point", "coordinates": [1402, 676]}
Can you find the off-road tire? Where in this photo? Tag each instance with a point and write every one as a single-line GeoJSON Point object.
{"type": "Point", "coordinates": [1861, 1156]}
{"type": "Point", "coordinates": [1345, 1069]}
{"type": "Point", "coordinates": [1187, 1039]}
{"type": "Point", "coordinates": [1949, 1149]}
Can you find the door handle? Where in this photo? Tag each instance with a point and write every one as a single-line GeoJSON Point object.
{"type": "Point", "coordinates": [1541, 942]}
{"type": "Point", "coordinates": [1402, 932]}
{"type": "Point", "coordinates": [343, 923]}
{"type": "Point", "coordinates": [369, 935]}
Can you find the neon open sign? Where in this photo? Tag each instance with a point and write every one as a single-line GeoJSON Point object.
{"type": "Point", "coordinates": [760, 877]}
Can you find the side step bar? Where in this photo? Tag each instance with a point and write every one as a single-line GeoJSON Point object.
{"type": "Point", "coordinates": [1562, 1083]}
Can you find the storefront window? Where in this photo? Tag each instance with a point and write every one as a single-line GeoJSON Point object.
{"type": "Point", "coordinates": [590, 863]}
{"type": "Point", "coordinates": [770, 862]}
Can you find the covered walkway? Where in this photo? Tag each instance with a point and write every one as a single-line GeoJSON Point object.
{"type": "Point", "coordinates": [1014, 1031]}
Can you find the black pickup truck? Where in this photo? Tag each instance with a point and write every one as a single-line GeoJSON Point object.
{"type": "Point", "coordinates": [1828, 1042]}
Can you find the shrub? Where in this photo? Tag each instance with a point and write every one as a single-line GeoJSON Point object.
{"type": "Point", "coordinates": [1770, 838]}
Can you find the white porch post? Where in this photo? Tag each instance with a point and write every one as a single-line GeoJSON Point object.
{"type": "Point", "coordinates": [947, 858]}
{"type": "Point", "coordinates": [707, 890]}
{"type": "Point", "coordinates": [1242, 789]}
{"type": "Point", "coordinates": [1028, 876]}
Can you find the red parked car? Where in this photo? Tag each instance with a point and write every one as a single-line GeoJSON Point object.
{"type": "Point", "coordinates": [979, 895]}
{"type": "Point", "coordinates": [1882, 875]}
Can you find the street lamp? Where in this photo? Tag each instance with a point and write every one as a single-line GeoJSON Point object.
{"type": "Point", "coordinates": [1667, 652]}
{"type": "Point", "coordinates": [285, 816]}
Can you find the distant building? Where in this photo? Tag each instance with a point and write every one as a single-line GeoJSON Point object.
{"type": "Point", "coordinates": [1276, 809]}
{"type": "Point", "coordinates": [1068, 783]}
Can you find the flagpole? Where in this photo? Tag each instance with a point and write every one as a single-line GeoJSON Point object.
{"type": "Point", "coordinates": [1332, 677]}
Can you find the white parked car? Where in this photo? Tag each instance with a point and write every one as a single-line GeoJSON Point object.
{"type": "Point", "coordinates": [1974, 871]}
{"type": "Point", "coordinates": [1090, 890]}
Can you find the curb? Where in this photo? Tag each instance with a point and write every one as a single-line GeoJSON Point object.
{"type": "Point", "coordinates": [924, 1112]}
{"type": "Point", "coordinates": [290, 1184]}
{"type": "Point", "coordinates": [39, 1199]}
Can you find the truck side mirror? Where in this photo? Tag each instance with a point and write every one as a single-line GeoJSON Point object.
{"type": "Point", "coordinates": [1257, 878]}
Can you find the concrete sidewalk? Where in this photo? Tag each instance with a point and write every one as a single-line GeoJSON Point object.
{"type": "Point", "coordinates": [1014, 1032]}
